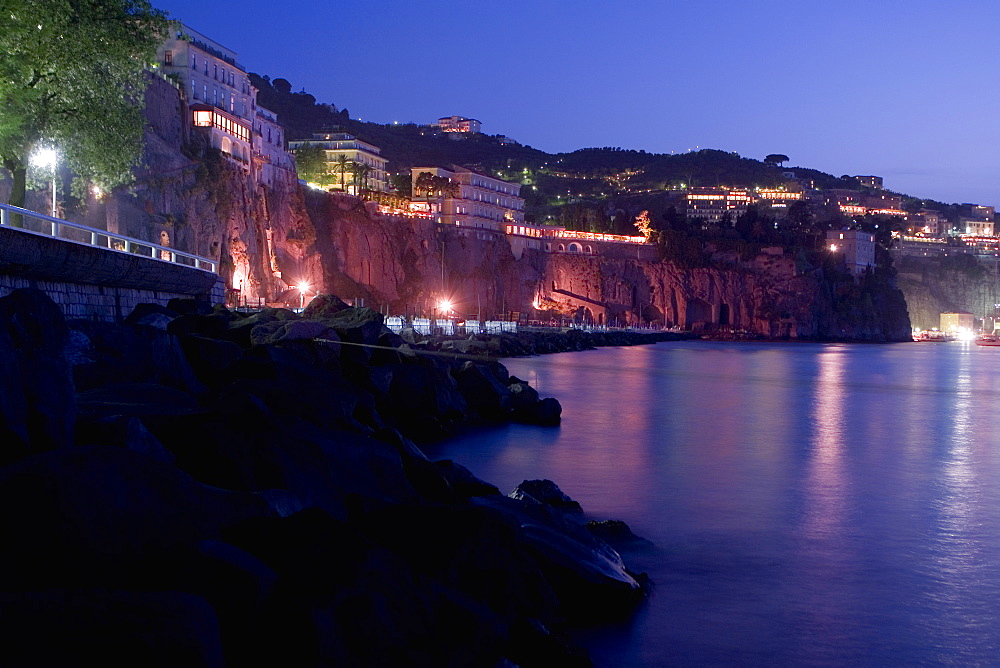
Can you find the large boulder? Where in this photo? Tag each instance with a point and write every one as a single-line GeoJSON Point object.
{"type": "Point", "coordinates": [36, 338]}
{"type": "Point", "coordinates": [101, 627]}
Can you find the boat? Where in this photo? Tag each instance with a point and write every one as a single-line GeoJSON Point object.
{"type": "Point", "coordinates": [934, 336]}
{"type": "Point", "coordinates": [988, 340]}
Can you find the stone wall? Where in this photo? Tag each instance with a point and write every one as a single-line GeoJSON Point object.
{"type": "Point", "coordinates": [96, 283]}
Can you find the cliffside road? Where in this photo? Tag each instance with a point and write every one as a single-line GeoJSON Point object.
{"type": "Point", "coordinates": [197, 487]}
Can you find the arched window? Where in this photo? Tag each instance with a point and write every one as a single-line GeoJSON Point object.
{"type": "Point", "coordinates": [575, 248]}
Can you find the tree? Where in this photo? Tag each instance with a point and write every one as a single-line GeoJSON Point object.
{"type": "Point", "coordinates": [775, 159]}
{"type": "Point", "coordinates": [311, 164]}
{"type": "Point", "coordinates": [360, 172]}
{"type": "Point", "coordinates": [643, 225]}
{"type": "Point", "coordinates": [342, 163]}
{"type": "Point", "coordinates": [73, 75]}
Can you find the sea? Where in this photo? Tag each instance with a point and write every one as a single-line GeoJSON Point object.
{"type": "Point", "coordinates": [805, 503]}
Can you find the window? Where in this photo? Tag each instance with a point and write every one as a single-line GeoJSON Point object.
{"type": "Point", "coordinates": [194, 62]}
{"type": "Point", "coordinates": [168, 57]}
{"type": "Point", "coordinates": [215, 72]}
{"type": "Point", "coordinates": [194, 89]}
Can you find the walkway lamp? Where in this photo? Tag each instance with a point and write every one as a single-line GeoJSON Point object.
{"type": "Point", "coordinates": [47, 158]}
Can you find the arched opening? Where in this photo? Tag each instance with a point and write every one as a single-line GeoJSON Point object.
{"type": "Point", "coordinates": [562, 248]}
{"type": "Point", "coordinates": [699, 312]}
{"type": "Point", "coordinates": [724, 314]}
{"type": "Point", "coordinates": [227, 145]}
{"type": "Point", "coordinates": [588, 249]}
{"type": "Point", "coordinates": [652, 314]}
{"type": "Point", "coordinates": [574, 247]}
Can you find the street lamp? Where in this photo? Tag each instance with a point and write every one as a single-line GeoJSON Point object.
{"type": "Point", "coordinates": [302, 288]}
{"type": "Point", "coordinates": [48, 158]}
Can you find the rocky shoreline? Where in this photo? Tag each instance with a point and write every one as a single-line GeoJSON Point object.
{"type": "Point", "coordinates": [201, 487]}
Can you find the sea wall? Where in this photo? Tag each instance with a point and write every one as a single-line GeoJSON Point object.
{"type": "Point", "coordinates": [97, 283]}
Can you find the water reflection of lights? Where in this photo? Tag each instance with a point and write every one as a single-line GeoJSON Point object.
{"type": "Point", "coordinates": [825, 486]}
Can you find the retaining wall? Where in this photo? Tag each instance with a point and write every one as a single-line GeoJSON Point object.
{"type": "Point", "coordinates": [95, 283]}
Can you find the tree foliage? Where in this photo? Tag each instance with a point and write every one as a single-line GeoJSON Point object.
{"type": "Point", "coordinates": [311, 164]}
{"type": "Point", "coordinates": [72, 75]}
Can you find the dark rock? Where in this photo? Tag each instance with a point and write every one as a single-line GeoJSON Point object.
{"type": "Point", "coordinates": [142, 311]}
{"type": "Point", "coordinates": [209, 357]}
{"type": "Point", "coordinates": [135, 399]}
{"type": "Point", "coordinates": [213, 326]}
{"type": "Point", "coordinates": [545, 412]}
{"type": "Point", "coordinates": [462, 480]}
{"type": "Point", "coordinates": [618, 534]}
{"type": "Point", "coordinates": [186, 306]}
{"type": "Point", "coordinates": [37, 336]}
{"type": "Point", "coordinates": [546, 492]}
{"type": "Point", "coordinates": [483, 391]}
{"type": "Point", "coordinates": [522, 395]}
{"type": "Point", "coordinates": [324, 306]}
{"type": "Point", "coordinates": [68, 627]}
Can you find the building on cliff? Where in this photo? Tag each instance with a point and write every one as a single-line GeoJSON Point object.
{"type": "Point", "coordinates": [481, 201]}
{"type": "Point", "coordinates": [458, 124]}
{"type": "Point", "coordinates": [341, 149]}
{"type": "Point", "coordinates": [712, 204]}
{"type": "Point", "coordinates": [856, 247]}
{"type": "Point", "coordinates": [223, 103]}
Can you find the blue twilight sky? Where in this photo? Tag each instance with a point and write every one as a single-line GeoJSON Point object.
{"type": "Point", "coordinates": [904, 89]}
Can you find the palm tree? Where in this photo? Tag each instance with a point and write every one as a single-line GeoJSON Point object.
{"type": "Point", "coordinates": [361, 172]}
{"type": "Point", "coordinates": [341, 163]}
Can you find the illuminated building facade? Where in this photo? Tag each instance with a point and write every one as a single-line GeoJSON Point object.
{"type": "Point", "coordinates": [712, 204]}
{"type": "Point", "coordinates": [856, 247]}
{"type": "Point", "coordinates": [222, 101]}
{"type": "Point", "coordinates": [959, 321]}
{"type": "Point", "coordinates": [870, 181]}
{"type": "Point", "coordinates": [217, 88]}
{"type": "Point", "coordinates": [482, 201]}
{"type": "Point", "coordinates": [269, 154]}
{"type": "Point", "coordinates": [458, 124]}
{"type": "Point", "coordinates": [337, 145]}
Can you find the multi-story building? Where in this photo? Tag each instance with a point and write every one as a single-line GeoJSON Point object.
{"type": "Point", "coordinates": [222, 102]}
{"type": "Point", "coordinates": [712, 204]}
{"type": "Point", "coordinates": [479, 200]}
{"type": "Point", "coordinates": [927, 223]}
{"type": "Point", "coordinates": [344, 152]}
{"type": "Point", "coordinates": [958, 321]}
{"type": "Point", "coordinates": [976, 227]}
{"type": "Point", "coordinates": [870, 181]}
{"type": "Point", "coordinates": [269, 152]}
{"type": "Point", "coordinates": [458, 124]}
{"type": "Point", "coordinates": [856, 247]}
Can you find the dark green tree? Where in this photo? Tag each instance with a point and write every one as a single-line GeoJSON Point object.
{"type": "Point", "coordinates": [311, 164]}
{"type": "Point", "coordinates": [775, 159]}
{"type": "Point", "coordinates": [72, 74]}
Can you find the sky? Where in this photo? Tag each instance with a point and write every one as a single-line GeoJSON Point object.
{"type": "Point", "coordinates": [903, 89]}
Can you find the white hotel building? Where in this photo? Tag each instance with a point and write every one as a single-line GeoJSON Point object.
{"type": "Point", "coordinates": [483, 201]}
{"type": "Point", "coordinates": [221, 99]}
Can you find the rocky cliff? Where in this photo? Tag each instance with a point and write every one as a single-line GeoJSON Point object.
{"type": "Point", "coordinates": [948, 284]}
{"type": "Point", "coordinates": [269, 238]}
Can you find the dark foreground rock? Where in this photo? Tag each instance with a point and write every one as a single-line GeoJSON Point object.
{"type": "Point", "coordinates": [199, 487]}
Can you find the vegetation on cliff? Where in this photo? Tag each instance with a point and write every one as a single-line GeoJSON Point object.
{"type": "Point", "coordinates": [71, 78]}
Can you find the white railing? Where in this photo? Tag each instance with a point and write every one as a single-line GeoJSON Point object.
{"type": "Point", "coordinates": [42, 225]}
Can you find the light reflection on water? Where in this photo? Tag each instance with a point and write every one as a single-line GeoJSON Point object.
{"type": "Point", "coordinates": [810, 504]}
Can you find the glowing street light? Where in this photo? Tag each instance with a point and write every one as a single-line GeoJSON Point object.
{"type": "Point", "coordinates": [303, 288]}
{"type": "Point", "coordinates": [47, 158]}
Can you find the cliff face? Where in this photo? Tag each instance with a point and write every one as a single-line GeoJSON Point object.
{"type": "Point", "coordinates": [268, 239]}
{"type": "Point", "coordinates": [397, 262]}
{"type": "Point", "coordinates": [933, 286]}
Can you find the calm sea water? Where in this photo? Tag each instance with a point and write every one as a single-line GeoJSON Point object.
{"type": "Point", "coordinates": [809, 503]}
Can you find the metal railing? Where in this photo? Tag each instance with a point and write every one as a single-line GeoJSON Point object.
{"type": "Point", "coordinates": [47, 226]}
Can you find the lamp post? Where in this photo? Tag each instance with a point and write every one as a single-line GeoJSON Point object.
{"type": "Point", "coordinates": [48, 158]}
